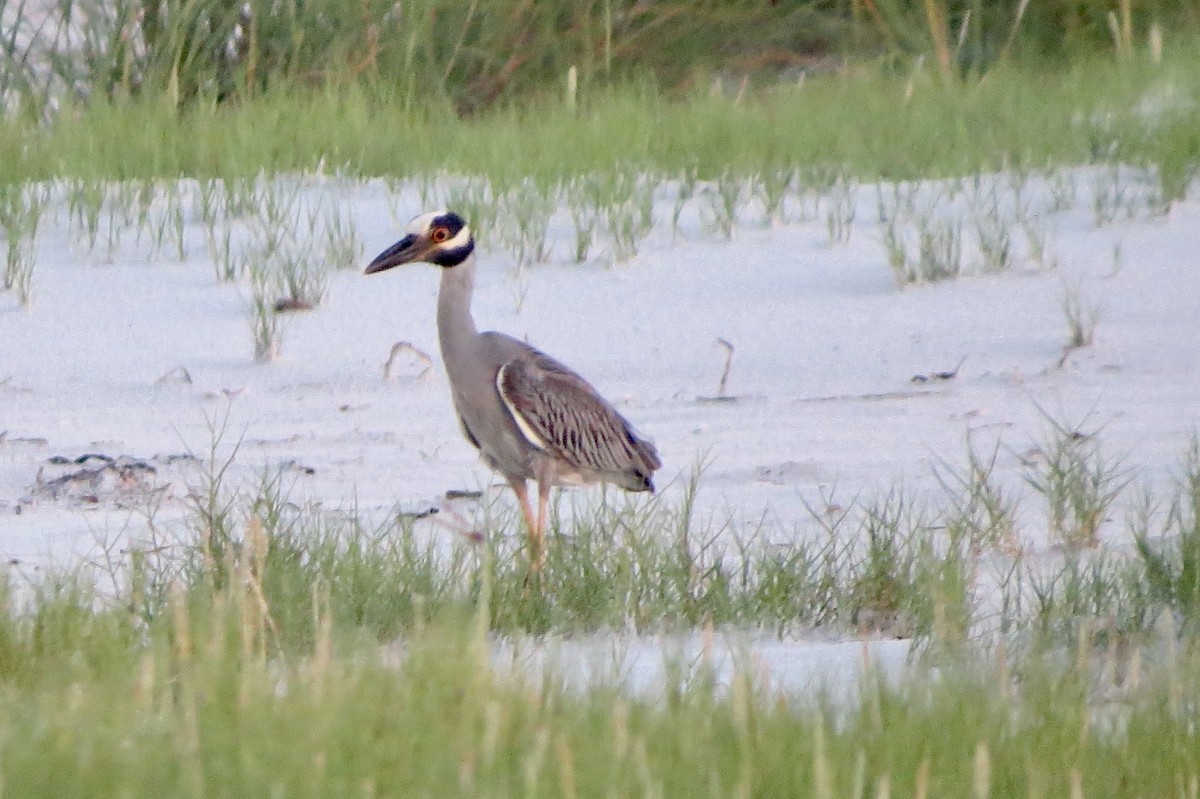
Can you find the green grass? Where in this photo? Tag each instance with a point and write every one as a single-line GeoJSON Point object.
{"type": "Point", "coordinates": [285, 652]}
{"type": "Point", "coordinates": [475, 56]}
{"type": "Point", "coordinates": [891, 565]}
{"type": "Point", "coordinates": [615, 563]}
{"type": "Point", "coordinates": [1172, 561]}
{"type": "Point", "coordinates": [282, 651]}
{"type": "Point", "coordinates": [866, 121]}
{"type": "Point", "coordinates": [198, 702]}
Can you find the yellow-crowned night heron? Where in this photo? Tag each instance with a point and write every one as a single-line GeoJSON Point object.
{"type": "Point", "coordinates": [530, 417]}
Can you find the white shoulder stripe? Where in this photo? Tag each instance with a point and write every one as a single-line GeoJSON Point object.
{"type": "Point", "coordinates": [526, 430]}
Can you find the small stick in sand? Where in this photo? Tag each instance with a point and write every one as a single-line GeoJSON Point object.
{"type": "Point", "coordinates": [728, 346]}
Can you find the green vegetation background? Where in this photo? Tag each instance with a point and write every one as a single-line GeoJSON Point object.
{"type": "Point", "coordinates": [885, 88]}
{"type": "Point", "coordinates": [275, 657]}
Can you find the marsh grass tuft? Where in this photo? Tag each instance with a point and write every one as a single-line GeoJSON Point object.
{"type": "Point", "coordinates": [939, 251]}
{"type": "Point", "coordinates": [1170, 560]}
{"type": "Point", "coordinates": [841, 206]}
{"type": "Point", "coordinates": [1082, 315]}
{"type": "Point", "coordinates": [771, 188]}
{"type": "Point", "coordinates": [723, 200]}
{"type": "Point", "coordinates": [343, 247]}
{"type": "Point", "coordinates": [522, 225]}
{"type": "Point", "coordinates": [266, 324]}
{"type": "Point", "coordinates": [1078, 482]}
{"type": "Point", "coordinates": [980, 515]}
{"type": "Point", "coordinates": [20, 215]}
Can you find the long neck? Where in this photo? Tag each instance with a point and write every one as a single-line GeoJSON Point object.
{"type": "Point", "coordinates": [456, 327]}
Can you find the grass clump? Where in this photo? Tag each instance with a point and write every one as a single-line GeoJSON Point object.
{"type": "Point", "coordinates": [1082, 315]}
{"type": "Point", "coordinates": [20, 214]}
{"type": "Point", "coordinates": [266, 325]}
{"type": "Point", "coordinates": [203, 699]}
{"type": "Point", "coordinates": [1078, 483]}
{"type": "Point", "coordinates": [1171, 561]}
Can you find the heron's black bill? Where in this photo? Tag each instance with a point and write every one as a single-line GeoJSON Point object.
{"type": "Point", "coordinates": [402, 252]}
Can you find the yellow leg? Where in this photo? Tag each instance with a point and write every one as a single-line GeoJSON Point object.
{"type": "Point", "coordinates": [534, 527]}
{"type": "Point", "coordinates": [543, 502]}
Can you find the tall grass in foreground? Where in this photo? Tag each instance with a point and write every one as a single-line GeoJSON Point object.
{"type": "Point", "coordinates": [200, 700]}
{"type": "Point", "coordinates": [284, 651]}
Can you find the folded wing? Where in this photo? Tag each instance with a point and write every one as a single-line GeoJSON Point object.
{"type": "Point", "coordinates": [561, 413]}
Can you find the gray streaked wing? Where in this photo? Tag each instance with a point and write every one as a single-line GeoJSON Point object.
{"type": "Point", "coordinates": [562, 413]}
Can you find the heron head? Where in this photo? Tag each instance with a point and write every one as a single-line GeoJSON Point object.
{"type": "Point", "coordinates": [438, 237]}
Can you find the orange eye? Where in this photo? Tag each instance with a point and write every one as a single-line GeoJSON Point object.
{"type": "Point", "coordinates": [439, 235]}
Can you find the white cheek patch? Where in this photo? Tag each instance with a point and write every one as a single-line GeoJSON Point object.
{"type": "Point", "coordinates": [460, 240]}
{"type": "Point", "coordinates": [420, 226]}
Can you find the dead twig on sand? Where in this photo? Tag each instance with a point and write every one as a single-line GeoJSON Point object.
{"type": "Point", "coordinates": [419, 356]}
{"type": "Point", "coordinates": [724, 382]}
{"type": "Point", "coordinates": [947, 375]}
